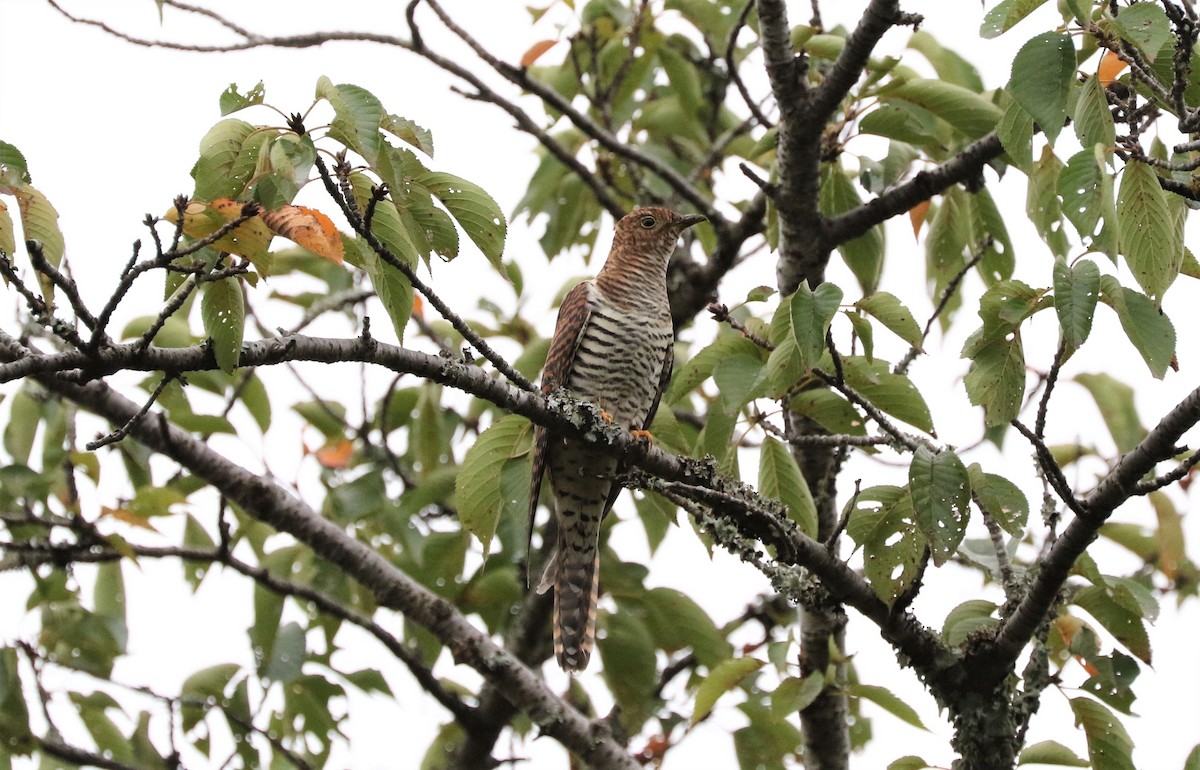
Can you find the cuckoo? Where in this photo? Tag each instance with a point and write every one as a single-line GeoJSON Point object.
{"type": "Point", "coordinates": [612, 346]}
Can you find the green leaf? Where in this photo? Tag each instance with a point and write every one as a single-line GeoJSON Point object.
{"type": "Point", "coordinates": [909, 762]}
{"type": "Point", "coordinates": [1042, 74]}
{"type": "Point", "coordinates": [677, 622]}
{"type": "Point", "coordinates": [727, 675]}
{"type": "Point", "coordinates": [1125, 622]}
{"type": "Point", "coordinates": [1147, 232]}
{"type": "Point", "coordinates": [941, 494]}
{"type": "Point", "coordinates": [1005, 16]}
{"type": "Point", "coordinates": [223, 311]}
{"type": "Point", "coordinates": [779, 478]}
{"type": "Point", "coordinates": [392, 286]}
{"type": "Point", "coordinates": [1004, 500]}
{"type": "Point", "coordinates": [1115, 401]}
{"type": "Point", "coordinates": [15, 735]}
{"type": "Point", "coordinates": [891, 392]}
{"type": "Point", "coordinates": [740, 379]}
{"type": "Point", "coordinates": [109, 601]}
{"type": "Point", "coordinates": [14, 170]}
{"type": "Point", "coordinates": [206, 686]}
{"type": "Point", "coordinates": [358, 117]}
{"type": "Point", "coordinates": [1076, 291]}
{"type": "Point", "coordinates": [409, 132]}
{"type": "Point", "coordinates": [967, 111]}
{"type": "Point", "coordinates": [1109, 746]}
{"type": "Point", "coordinates": [218, 173]}
{"type": "Point", "coordinates": [882, 522]}
{"type": "Point", "coordinates": [700, 367]}
{"type": "Point", "coordinates": [887, 700]}
{"type": "Point", "coordinates": [1050, 753]}
{"type": "Point", "coordinates": [1147, 327]}
{"type": "Point", "coordinates": [1042, 204]}
{"type": "Point", "coordinates": [864, 254]}
{"type": "Point", "coordinates": [949, 66]}
{"type": "Point", "coordinates": [475, 211]}
{"type": "Point", "coordinates": [478, 490]}
{"type": "Point", "coordinates": [811, 312]}
{"type": "Point", "coordinates": [889, 311]}
{"type": "Point", "coordinates": [232, 101]}
{"type": "Point", "coordinates": [1143, 24]}
{"type": "Point", "coordinates": [968, 619]}
{"type": "Point", "coordinates": [1080, 184]}
{"type": "Point", "coordinates": [627, 652]}
{"type": "Point", "coordinates": [794, 694]}
{"type": "Point", "coordinates": [1016, 135]}
{"type": "Point", "coordinates": [287, 654]}
{"type": "Point", "coordinates": [1093, 118]}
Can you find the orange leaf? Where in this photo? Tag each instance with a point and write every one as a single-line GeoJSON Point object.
{"type": "Point", "coordinates": [335, 454]}
{"type": "Point", "coordinates": [535, 51]}
{"type": "Point", "coordinates": [1110, 68]}
{"type": "Point", "coordinates": [916, 215]}
{"type": "Point", "coordinates": [418, 306]}
{"type": "Point", "coordinates": [309, 228]}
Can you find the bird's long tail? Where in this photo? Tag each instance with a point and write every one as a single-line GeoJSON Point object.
{"type": "Point", "coordinates": [575, 593]}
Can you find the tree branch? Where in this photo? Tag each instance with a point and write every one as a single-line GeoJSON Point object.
{"type": "Point", "coordinates": [998, 657]}
{"type": "Point", "coordinates": [966, 164]}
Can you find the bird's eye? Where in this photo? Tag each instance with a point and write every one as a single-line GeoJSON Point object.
{"type": "Point", "coordinates": [648, 222]}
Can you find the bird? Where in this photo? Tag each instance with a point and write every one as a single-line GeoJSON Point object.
{"type": "Point", "coordinates": [613, 346]}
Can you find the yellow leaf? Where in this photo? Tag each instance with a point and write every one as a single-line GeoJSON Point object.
{"type": "Point", "coordinates": [309, 228]}
{"type": "Point", "coordinates": [201, 219]}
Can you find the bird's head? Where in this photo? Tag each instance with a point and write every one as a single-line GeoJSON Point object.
{"type": "Point", "coordinates": [652, 231]}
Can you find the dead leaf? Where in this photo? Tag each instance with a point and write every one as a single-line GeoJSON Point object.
{"type": "Point", "coordinates": [309, 228]}
{"type": "Point", "coordinates": [916, 215]}
{"type": "Point", "coordinates": [535, 51]}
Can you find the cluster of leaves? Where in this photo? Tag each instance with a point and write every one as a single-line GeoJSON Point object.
{"type": "Point", "coordinates": [247, 178]}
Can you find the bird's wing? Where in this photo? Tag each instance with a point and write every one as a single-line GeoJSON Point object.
{"type": "Point", "coordinates": [573, 317]}
{"type": "Point", "coordinates": [664, 379]}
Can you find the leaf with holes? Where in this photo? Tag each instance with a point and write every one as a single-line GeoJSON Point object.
{"type": "Point", "coordinates": [881, 522]}
{"type": "Point", "coordinates": [941, 495]}
{"type": "Point", "coordinates": [1003, 500]}
{"type": "Point", "coordinates": [223, 311]}
{"type": "Point", "coordinates": [475, 211]}
{"type": "Point", "coordinates": [1076, 292]}
{"type": "Point", "coordinates": [1109, 746]}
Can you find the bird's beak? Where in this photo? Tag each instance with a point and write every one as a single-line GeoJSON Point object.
{"type": "Point", "coordinates": [687, 220]}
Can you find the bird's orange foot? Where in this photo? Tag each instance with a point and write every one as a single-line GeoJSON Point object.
{"type": "Point", "coordinates": [607, 417]}
{"type": "Point", "coordinates": [643, 435]}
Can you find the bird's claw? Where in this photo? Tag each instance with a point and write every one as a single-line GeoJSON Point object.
{"type": "Point", "coordinates": [643, 435]}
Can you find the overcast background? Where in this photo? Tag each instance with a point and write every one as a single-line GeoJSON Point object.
{"type": "Point", "coordinates": [110, 132]}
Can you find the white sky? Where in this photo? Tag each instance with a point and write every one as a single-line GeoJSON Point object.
{"type": "Point", "coordinates": [110, 132]}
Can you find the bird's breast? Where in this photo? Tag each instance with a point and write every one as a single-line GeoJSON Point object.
{"type": "Point", "coordinates": [619, 361]}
